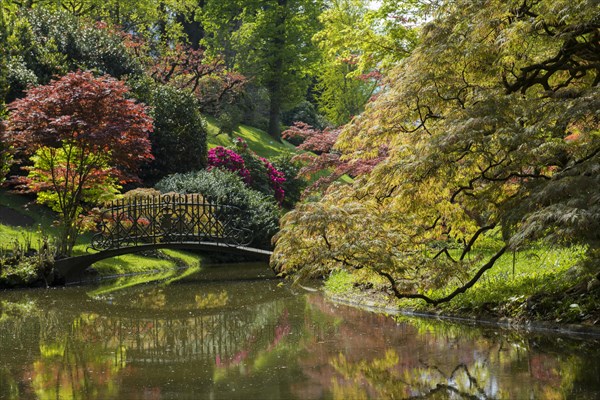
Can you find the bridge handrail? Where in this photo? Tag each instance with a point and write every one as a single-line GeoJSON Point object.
{"type": "Point", "coordinates": [169, 218]}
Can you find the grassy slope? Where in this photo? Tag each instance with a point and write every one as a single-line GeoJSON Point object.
{"type": "Point", "coordinates": [258, 141]}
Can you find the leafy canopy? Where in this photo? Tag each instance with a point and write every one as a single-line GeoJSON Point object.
{"type": "Point", "coordinates": [492, 127]}
{"type": "Point", "coordinates": [357, 45]}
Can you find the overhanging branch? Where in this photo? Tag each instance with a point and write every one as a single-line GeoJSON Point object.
{"type": "Point", "coordinates": [452, 295]}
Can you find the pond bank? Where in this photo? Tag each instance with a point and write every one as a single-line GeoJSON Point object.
{"type": "Point", "coordinates": [376, 306]}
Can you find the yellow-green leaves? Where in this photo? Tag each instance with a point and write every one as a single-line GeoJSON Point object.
{"type": "Point", "coordinates": [492, 126]}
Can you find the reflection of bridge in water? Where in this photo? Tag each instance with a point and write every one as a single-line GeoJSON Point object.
{"type": "Point", "coordinates": [167, 221]}
{"type": "Point", "coordinates": [163, 334]}
{"type": "Point", "coordinates": [219, 337]}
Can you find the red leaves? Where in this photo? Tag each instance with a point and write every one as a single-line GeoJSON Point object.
{"type": "Point", "coordinates": [315, 140]}
{"type": "Point", "coordinates": [321, 142]}
{"type": "Point", "coordinates": [91, 113]}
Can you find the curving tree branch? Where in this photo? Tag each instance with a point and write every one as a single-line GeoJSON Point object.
{"type": "Point", "coordinates": [452, 295]}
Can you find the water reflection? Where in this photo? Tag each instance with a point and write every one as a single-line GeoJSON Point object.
{"type": "Point", "coordinates": [236, 338]}
{"type": "Point", "coordinates": [428, 359]}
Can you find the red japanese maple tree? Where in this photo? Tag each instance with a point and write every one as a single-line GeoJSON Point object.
{"type": "Point", "coordinates": [84, 136]}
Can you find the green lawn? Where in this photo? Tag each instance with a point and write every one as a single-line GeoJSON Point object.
{"type": "Point", "coordinates": [258, 140]}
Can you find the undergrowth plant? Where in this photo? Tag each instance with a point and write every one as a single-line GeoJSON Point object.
{"type": "Point", "coordinates": [25, 262]}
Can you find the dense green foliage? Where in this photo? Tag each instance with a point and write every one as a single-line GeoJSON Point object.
{"type": "Point", "coordinates": [179, 136]}
{"type": "Point", "coordinates": [245, 61]}
{"type": "Point", "coordinates": [260, 213]}
{"type": "Point", "coordinates": [268, 41]}
{"type": "Point", "coordinates": [46, 43]}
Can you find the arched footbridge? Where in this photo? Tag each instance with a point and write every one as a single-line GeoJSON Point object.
{"type": "Point", "coordinates": [174, 221]}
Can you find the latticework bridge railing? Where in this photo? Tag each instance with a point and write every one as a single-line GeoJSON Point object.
{"type": "Point", "coordinates": [170, 218]}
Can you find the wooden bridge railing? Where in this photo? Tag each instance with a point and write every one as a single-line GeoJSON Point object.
{"type": "Point", "coordinates": [170, 218]}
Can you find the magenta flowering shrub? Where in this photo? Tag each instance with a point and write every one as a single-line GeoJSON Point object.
{"type": "Point", "coordinates": [276, 178]}
{"type": "Point", "coordinates": [220, 157]}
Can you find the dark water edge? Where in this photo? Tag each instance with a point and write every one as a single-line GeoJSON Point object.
{"type": "Point", "coordinates": [579, 330]}
{"type": "Point", "coordinates": [234, 332]}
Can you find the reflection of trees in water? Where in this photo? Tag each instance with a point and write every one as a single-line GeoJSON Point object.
{"type": "Point", "coordinates": [86, 355]}
{"type": "Point", "coordinates": [382, 378]}
{"type": "Point", "coordinates": [9, 387]}
{"type": "Point", "coordinates": [430, 359]}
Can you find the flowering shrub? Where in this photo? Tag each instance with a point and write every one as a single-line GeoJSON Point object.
{"type": "Point", "coordinates": [277, 179]}
{"type": "Point", "coordinates": [257, 172]}
{"type": "Point", "coordinates": [220, 157]}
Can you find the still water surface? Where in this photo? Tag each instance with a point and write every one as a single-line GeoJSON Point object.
{"type": "Point", "coordinates": [233, 332]}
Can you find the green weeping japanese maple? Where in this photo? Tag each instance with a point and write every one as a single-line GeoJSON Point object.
{"type": "Point", "coordinates": [492, 126]}
{"type": "Point", "coordinates": [85, 137]}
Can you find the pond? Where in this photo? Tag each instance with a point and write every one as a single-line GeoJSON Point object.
{"type": "Point", "coordinates": [235, 332]}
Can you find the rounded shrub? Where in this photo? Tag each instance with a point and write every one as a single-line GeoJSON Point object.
{"type": "Point", "coordinates": [179, 136]}
{"type": "Point", "coordinates": [259, 213]}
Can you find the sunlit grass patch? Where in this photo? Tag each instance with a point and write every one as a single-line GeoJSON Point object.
{"type": "Point", "coordinates": [516, 277]}
{"type": "Point", "coordinates": [258, 140]}
{"type": "Point", "coordinates": [38, 220]}
{"type": "Point", "coordinates": [340, 282]}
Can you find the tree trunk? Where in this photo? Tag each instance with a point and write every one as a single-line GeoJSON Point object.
{"type": "Point", "coordinates": [193, 29]}
{"type": "Point", "coordinates": [274, 129]}
{"type": "Point", "coordinates": [275, 83]}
